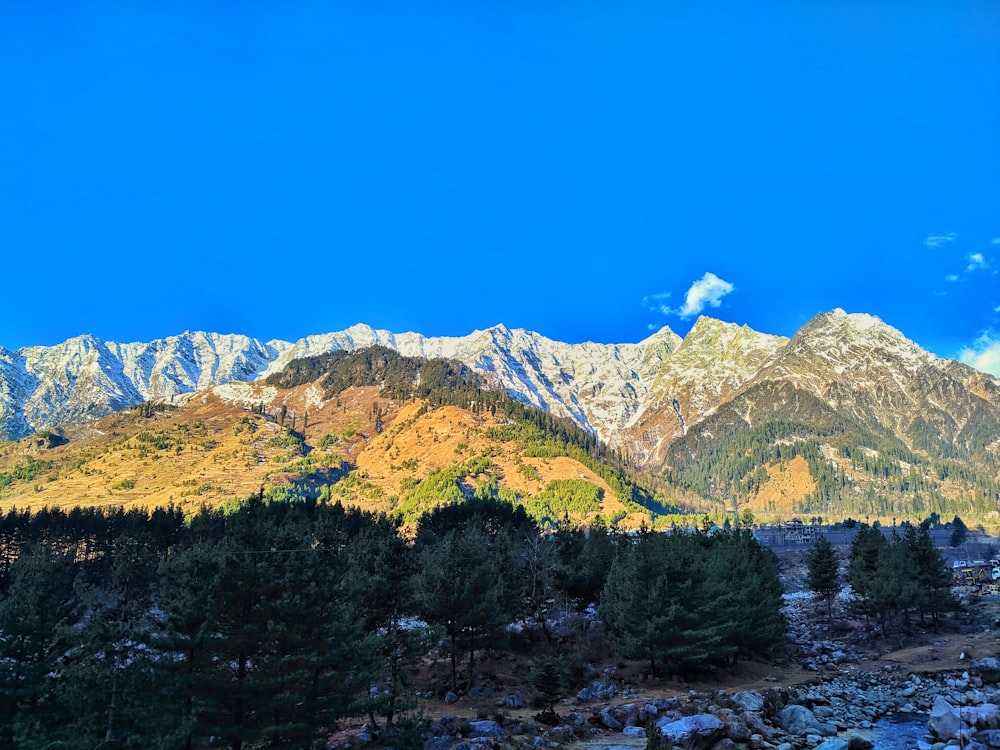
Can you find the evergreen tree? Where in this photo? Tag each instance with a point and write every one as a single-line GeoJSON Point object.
{"type": "Point", "coordinates": [459, 587]}
{"type": "Point", "coordinates": [549, 684]}
{"type": "Point", "coordinates": [959, 534]}
{"type": "Point", "coordinates": [932, 576]}
{"type": "Point", "coordinates": [35, 617]}
{"type": "Point", "coordinates": [380, 570]}
{"type": "Point", "coordinates": [109, 669]}
{"type": "Point", "coordinates": [823, 572]}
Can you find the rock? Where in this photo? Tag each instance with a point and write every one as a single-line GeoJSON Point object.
{"type": "Point", "coordinates": [486, 728]}
{"type": "Point", "coordinates": [988, 669]}
{"type": "Point", "coordinates": [608, 719]}
{"type": "Point", "coordinates": [737, 729]}
{"type": "Point", "coordinates": [634, 732]}
{"type": "Point", "coordinates": [450, 697]}
{"type": "Point", "coordinates": [859, 743]}
{"type": "Point", "coordinates": [989, 737]}
{"type": "Point", "coordinates": [835, 743]}
{"type": "Point", "coordinates": [796, 719]}
{"type": "Point", "coordinates": [515, 700]}
{"type": "Point", "coordinates": [576, 719]}
{"type": "Point", "coordinates": [945, 721]}
{"type": "Point", "coordinates": [698, 732]}
{"type": "Point", "coordinates": [749, 700]}
{"type": "Point", "coordinates": [597, 690]}
{"type": "Point", "coordinates": [984, 716]}
{"type": "Point", "coordinates": [725, 744]}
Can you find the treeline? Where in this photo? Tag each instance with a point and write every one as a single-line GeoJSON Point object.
{"type": "Point", "coordinates": [266, 625]}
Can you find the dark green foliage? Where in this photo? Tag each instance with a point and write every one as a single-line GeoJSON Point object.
{"type": "Point", "coordinates": [689, 598]}
{"type": "Point", "coordinates": [891, 579]}
{"type": "Point", "coordinates": [35, 616]}
{"type": "Point", "coordinates": [577, 498]}
{"type": "Point", "coordinates": [549, 682]}
{"type": "Point", "coordinates": [583, 559]}
{"type": "Point", "coordinates": [823, 571]}
{"type": "Point", "coordinates": [959, 533]}
{"type": "Point", "coordinates": [25, 472]}
{"type": "Point", "coordinates": [459, 586]}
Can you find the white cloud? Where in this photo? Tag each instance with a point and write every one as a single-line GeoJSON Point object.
{"type": "Point", "coordinates": [996, 309]}
{"type": "Point", "coordinates": [984, 354]}
{"type": "Point", "coordinates": [707, 291]}
{"type": "Point", "coordinates": [656, 303]}
{"type": "Point", "coordinates": [951, 277]}
{"type": "Point", "coordinates": [977, 262]}
{"type": "Point", "coordinates": [995, 241]}
{"type": "Point", "coordinates": [937, 241]}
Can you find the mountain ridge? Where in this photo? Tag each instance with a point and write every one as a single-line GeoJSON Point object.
{"type": "Point", "coordinates": [637, 397]}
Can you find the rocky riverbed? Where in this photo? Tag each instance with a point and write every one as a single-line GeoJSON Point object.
{"type": "Point", "coordinates": [961, 710]}
{"type": "Point", "coordinates": [833, 690]}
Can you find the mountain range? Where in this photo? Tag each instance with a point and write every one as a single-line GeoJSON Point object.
{"type": "Point", "coordinates": [849, 402]}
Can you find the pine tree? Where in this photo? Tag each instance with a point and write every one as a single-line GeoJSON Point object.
{"type": "Point", "coordinates": [959, 534]}
{"type": "Point", "coordinates": [549, 683]}
{"type": "Point", "coordinates": [460, 588]}
{"type": "Point", "coordinates": [823, 572]}
{"type": "Point", "coordinates": [35, 617]}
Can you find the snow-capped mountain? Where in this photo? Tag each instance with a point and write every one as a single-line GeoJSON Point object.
{"type": "Point", "coordinates": [638, 397]}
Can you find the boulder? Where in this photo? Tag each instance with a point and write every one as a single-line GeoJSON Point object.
{"type": "Point", "coordinates": [796, 719]}
{"type": "Point", "coordinates": [749, 700]}
{"type": "Point", "coordinates": [834, 743]}
{"type": "Point", "coordinates": [486, 728]}
{"type": "Point", "coordinates": [634, 732]}
{"type": "Point", "coordinates": [597, 690]}
{"type": "Point", "coordinates": [945, 721]}
{"type": "Point", "coordinates": [984, 716]}
{"type": "Point", "coordinates": [989, 737]}
{"type": "Point", "coordinates": [515, 700]}
{"type": "Point", "coordinates": [698, 732]}
{"type": "Point", "coordinates": [609, 720]}
{"type": "Point", "coordinates": [737, 729]}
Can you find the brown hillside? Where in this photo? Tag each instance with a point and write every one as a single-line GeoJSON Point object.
{"type": "Point", "coordinates": [215, 448]}
{"type": "Point", "coordinates": [788, 484]}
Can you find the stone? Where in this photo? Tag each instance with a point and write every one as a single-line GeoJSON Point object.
{"type": "Point", "coordinates": [989, 737]}
{"type": "Point", "coordinates": [609, 720]}
{"type": "Point", "coordinates": [597, 690]}
{"type": "Point", "coordinates": [515, 700]}
{"type": "Point", "coordinates": [945, 722]}
{"type": "Point", "coordinates": [486, 728]}
{"type": "Point", "coordinates": [749, 700]}
{"type": "Point", "coordinates": [796, 719]}
{"type": "Point", "coordinates": [984, 716]}
{"type": "Point", "coordinates": [698, 732]}
{"type": "Point", "coordinates": [834, 743]}
{"type": "Point", "coordinates": [634, 732]}
{"type": "Point", "coordinates": [450, 697]}
{"type": "Point", "coordinates": [737, 729]}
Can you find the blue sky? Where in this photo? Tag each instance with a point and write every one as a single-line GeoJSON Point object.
{"type": "Point", "coordinates": [591, 171]}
